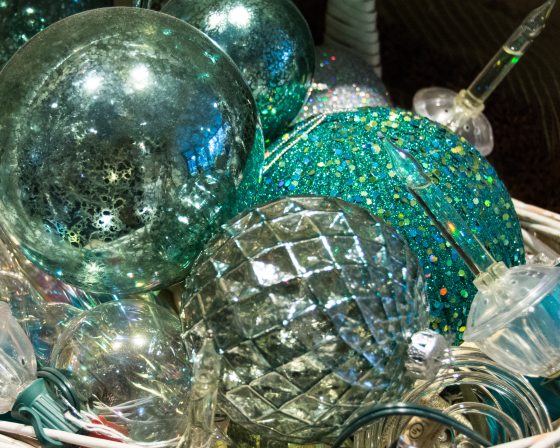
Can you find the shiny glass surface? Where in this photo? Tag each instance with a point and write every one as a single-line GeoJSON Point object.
{"type": "Point", "coordinates": [311, 301]}
{"type": "Point", "coordinates": [121, 147]}
{"type": "Point", "coordinates": [127, 362]}
{"type": "Point", "coordinates": [271, 44]}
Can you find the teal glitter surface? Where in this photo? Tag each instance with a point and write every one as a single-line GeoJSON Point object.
{"type": "Point", "coordinates": [339, 155]}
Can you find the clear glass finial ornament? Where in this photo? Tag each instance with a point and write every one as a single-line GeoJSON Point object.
{"type": "Point", "coordinates": [462, 112]}
{"type": "Point", "coordinates": [515, 316]}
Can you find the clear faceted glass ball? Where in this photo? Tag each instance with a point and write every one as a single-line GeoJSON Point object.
{"type": "Point", "coordinates": [124, 134]}
{"type": "Point", "coordinates": [311, 302]}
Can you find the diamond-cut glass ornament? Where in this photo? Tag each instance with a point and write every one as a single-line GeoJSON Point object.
{"type": "Point", "coordinates": [310, 301]}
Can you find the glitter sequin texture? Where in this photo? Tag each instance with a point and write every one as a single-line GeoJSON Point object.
{"type": "Point", "coordinates": [311, 302]}
{"type": "Point", "coordinates": [271, 44]}
{"type": "Point", "coordinates": [21, 20]}
{"type": "Point", "coordinates": [339, 155]}
{"type": "Point", "coordinates": [120, 149]}
{"type": "Point", "coordinates": [342, 82]}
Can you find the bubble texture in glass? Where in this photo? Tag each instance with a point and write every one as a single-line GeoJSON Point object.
{"type": "Point", "coordinates": [20, 20]}
{"type": "Point", "coordinates": [340, 155]}
{"type": "Point", "coordinates": [271, 44]}
{"type": "Point", "coordinates": [311, 302]}
{"type": "Point", "coordinates": [342, 82]}
{"type": "Point", "coordinates": [129, 356]}
{"type": "Point", "coordinates": [120, 147]}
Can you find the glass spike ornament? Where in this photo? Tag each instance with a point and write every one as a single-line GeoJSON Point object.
{"type": "Point", "coordinates": [462, 113]}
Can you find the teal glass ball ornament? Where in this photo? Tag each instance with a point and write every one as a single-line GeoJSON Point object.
{"type": "Point", "coordinates": [342, 82]}
{"type": "Point", "coordinates": [126, 361]}
{"type": "Point", "coordinates": [271, 44]}
{"type": "Point", "coordinates": [121, 148]}
{"type": "Point", "coordinates": [311, 301]}
{"type": "Point", "coordinates": [340, 155]}
{"type": "Point", "coordinates": [20, 20]}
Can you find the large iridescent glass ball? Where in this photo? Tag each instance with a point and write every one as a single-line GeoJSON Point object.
{"type": "Point", "coordinates": [342, 82]}
{"type": "Point", "coordinates": [20, 20]}
{"type": "Point", "coordinates": [271, 44]}
{"type": "Point", "coordinates": [121, 147]}
{"type": "Point", "coordinates": [311, 302]}
{"type": "Point", "coordinates": [341, 155]}
{"type": "Point", "coordinates": [127, 362]}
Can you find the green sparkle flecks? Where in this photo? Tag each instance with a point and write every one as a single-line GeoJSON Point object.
{"type": "Point", "coordinates": [339, 155]}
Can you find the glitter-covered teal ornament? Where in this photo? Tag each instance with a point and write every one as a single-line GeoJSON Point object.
{"type": "Point", "coordinates": [20, 20]}
{"type": "Point", "coordinates": [339, 155]}
{"type": "Point", "coordinates": [271, 44]}
{"type": "Point", "coordinates": [121, 148]}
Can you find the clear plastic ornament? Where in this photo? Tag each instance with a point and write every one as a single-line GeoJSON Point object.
{"type": "Point", "coordinates": [126, 362]}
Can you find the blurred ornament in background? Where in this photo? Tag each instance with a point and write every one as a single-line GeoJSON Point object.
{"type": "Point", "coordinates": [342, 82]}
{"type": "Point", "coordinates": [20, 20]}
{"type": "Point", "coordinates": [126, 362]}
{"type": "Point", "coordinates": [340, 155]}
{"type": "Point", "coordinates": [105, 183]}
{"type": "Point", "coordinates": [271, 44]}
{"type": "Point", "coordinates": [311, 301]}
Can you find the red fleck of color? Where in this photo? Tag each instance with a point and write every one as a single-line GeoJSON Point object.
{"type": "Point", "coordinates": [443, 291]}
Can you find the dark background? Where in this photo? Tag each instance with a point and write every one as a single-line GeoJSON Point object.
{"type": "Point", "coordinates": [446, 43]}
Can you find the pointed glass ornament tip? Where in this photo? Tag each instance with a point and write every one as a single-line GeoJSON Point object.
{"type": "Point", "coordinates": [462, 112]}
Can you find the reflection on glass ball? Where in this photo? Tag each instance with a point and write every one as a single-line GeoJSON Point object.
{"type": "Point", "coordinates": [271, 44]}
{"type": "Point", "coordinates": [121, 148]}
{"type": "Point", "coordinates": [340, 155]}
{"type": "Point", "coordinates": [126, 361]}
{"type": "Point", "coordinates": [311, 302]}
{"type": "Point", "coordinates": [20, 20]}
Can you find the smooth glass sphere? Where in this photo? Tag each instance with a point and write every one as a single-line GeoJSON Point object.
{"type": "Point", "coordinates": [312, 302]}
{"type": "Point", "coordinates": [121, 147]}
{"type": "Point", "coordinates": [20, 20]}
{"type": "Point", "coordinates": [271, 44]}
{"type": "Point", "coordinates": [126, 361]}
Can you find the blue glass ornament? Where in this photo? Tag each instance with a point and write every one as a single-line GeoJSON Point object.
{"type": "Point", "coordinates": [271, 44]}
{"type": "Point", "coordinates": [311, 301]}
{"type": "Point", "coordinates": [20, 20]}
{"type": "Point", "coordinates": [341, 155]}
{"type": "Point", "coordinates": [121, 148]}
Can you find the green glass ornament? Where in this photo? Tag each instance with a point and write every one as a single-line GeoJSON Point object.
{"type": "Point", "coordinates": [121, 148]}
{"type": "Point", "coordinates": [271, 44]}
{"type": "Point", "coordinates": [126, 361]}
{"type": "Point", "coordinates": [340, 155]}
{"type": "Point", "coordinates": [311, 301]}
{"type": "Point", "coordinates": [20, 20]}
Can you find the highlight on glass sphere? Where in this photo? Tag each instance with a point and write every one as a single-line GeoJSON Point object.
{"type": "Point", "coordinates": [121, 147]}
{"type": "Point", "coordinates": [271, 44]}
{"type": "Point", "coordinates": [311, 301]}
{"type": "Point", "coordinates": [21, 20]}
{"type": "Point", "coordinates": [126, 361]}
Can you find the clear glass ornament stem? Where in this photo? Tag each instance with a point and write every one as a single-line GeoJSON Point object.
{"type": "Point", "coordinates": [446, 218]}
{"type": "Point", "coordinates": [146, 4]}
{"type": "Point", "coordinates": [508, 56]}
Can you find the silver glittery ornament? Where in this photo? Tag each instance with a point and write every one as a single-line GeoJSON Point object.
{"type": "Point", "coordinates": [342, 82]}
{"type": "Point", "coordinates": [271, 44]}
{"type": "Point", "coordinates": [311, 301]}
